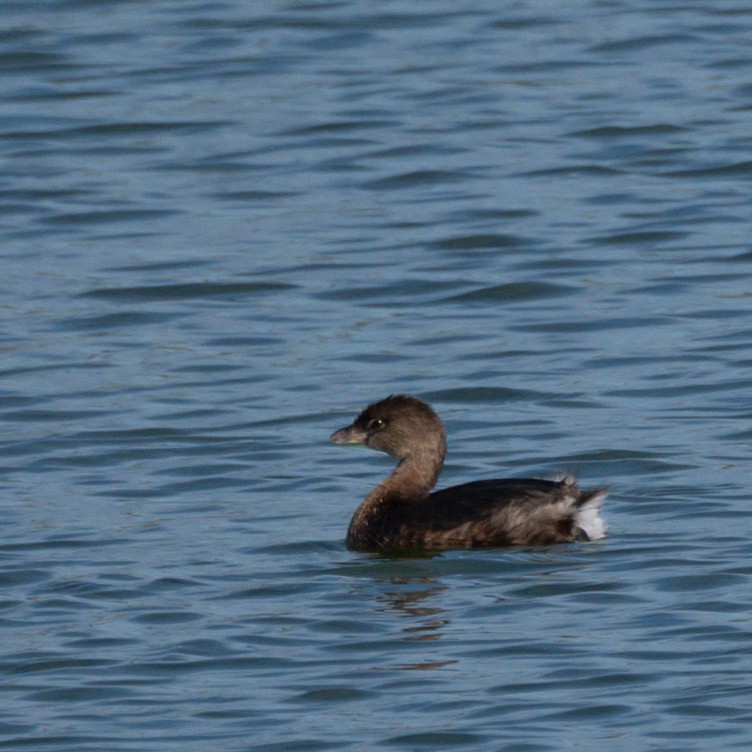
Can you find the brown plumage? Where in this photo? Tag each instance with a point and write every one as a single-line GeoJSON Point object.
{"type": "Point", "coordinates": [402, 513]}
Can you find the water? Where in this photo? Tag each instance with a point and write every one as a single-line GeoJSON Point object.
{"type": "Point", "coordinates": [226, 227]}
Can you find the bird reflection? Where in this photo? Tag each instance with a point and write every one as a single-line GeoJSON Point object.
{"type": "Point", "coordinates": [416, 604]}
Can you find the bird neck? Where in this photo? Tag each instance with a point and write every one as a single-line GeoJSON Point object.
{"type": "Point", "coordinates": [415, 475]}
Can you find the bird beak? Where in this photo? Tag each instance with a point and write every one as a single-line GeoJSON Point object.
{"type": "Point", "coordinates": [349, 435]}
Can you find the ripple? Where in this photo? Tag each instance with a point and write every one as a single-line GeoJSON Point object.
{"type": "Point", "coordinates": [513, 293]}
{"type": "Point", "coordinates": [620, 131]}
{"type": "Point", "coordinates": [413, 179]}
{"type": "Point", "coordinates": [150, 293]}
{"type": "Point", "coordinates": [484, 394]}
{"type": "Point", "coordinates": [126, 319]}
{"type": "Point", "coordinates": [480, 242]}
{"type": "Point", "coordinates": [107, 217]}
{"type": "Point", "coordinates": [743, 169]}
{"type": "Point", "coordinates": [640, 238]}
{"type": "Point", "coordinates": [436, 739]}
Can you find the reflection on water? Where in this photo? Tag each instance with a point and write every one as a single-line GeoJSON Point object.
{"type": "Point", "coordinates": [413, 600]}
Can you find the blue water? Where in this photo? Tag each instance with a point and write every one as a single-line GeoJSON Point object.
{"type": "Point", "coordinates": [226, 227]}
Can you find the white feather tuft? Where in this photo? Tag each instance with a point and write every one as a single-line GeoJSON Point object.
{"type": "Point", "coordinates": [589, 520]}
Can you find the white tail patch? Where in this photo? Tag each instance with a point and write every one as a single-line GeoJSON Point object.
{"type": "Point", "coordinates": [588, 517]}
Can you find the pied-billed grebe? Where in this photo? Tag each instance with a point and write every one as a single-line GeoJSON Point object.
{"type": "Point", "coordinates": [402, 513]}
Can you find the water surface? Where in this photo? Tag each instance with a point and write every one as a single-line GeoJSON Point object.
{"type": "Point", "coordinates": [227, 227]}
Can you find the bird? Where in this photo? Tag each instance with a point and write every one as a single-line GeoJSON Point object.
{"type": "Point", "coordinates": [402, 513]}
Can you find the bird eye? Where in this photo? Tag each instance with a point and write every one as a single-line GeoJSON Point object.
{"type": "Point", "coordinates": [375, 424]}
